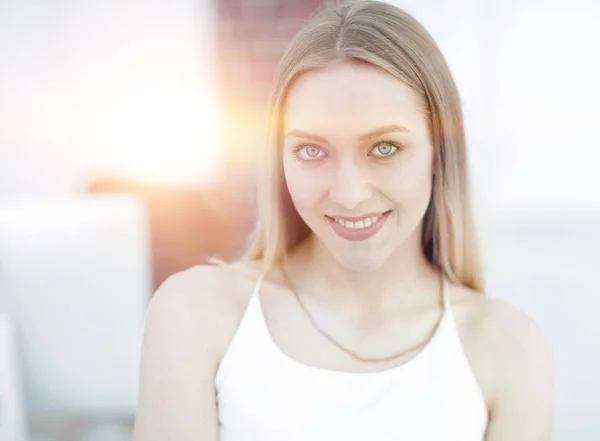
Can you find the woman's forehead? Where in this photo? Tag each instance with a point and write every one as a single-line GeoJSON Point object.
{"type": "Point", "coordinates": [349, 97]}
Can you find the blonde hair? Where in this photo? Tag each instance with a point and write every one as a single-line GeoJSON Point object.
{"type": "Point", "coordinates": [386, 37]}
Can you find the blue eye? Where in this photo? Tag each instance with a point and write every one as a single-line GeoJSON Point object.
{"type": "Point", "coordinates": [384, 149]}
{"type": "Point", "coordinates": [309, 153]}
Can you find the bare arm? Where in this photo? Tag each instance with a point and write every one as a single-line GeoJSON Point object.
{"type": "Point", "coordinates": [524, 405]}
{"type": "Point", "coordinates": [179, 360]}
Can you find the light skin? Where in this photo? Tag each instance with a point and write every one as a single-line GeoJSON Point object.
{"type": "Point", "coordinates": [364, 149]}
{"type": "Point", "coordinates": [331, 170]}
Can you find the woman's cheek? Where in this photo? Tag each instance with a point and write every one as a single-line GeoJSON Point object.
{"type": "Point", "coordinates": [307, 187]}
{"type": "Point", "coordinates": [411, 188]}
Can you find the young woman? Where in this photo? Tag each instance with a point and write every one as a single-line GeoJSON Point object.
{"type": "Point", "coordinates": [358, 312]}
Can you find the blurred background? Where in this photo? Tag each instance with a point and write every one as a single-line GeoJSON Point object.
{"type": "Point", "coordinates": [128, 138]}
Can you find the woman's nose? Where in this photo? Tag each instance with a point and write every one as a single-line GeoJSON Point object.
{"type": "Point", "coordinates": [349, 186]}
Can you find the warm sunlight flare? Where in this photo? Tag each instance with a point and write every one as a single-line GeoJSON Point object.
{"type": "Point", "coordinates": [159, 127]}
{"type": "Point", "coordinates": [130, 100]}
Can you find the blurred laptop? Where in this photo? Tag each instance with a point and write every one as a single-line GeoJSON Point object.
{"type": "Point", "coordinates": [75, 278]}
{"type": "Point", "coordinates": [12, 414]}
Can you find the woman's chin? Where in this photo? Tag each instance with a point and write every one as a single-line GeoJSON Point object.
{"type": "Point", "coordinates": [361, 262]}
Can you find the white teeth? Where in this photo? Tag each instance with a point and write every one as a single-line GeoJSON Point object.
{"type": "Point", "coordinates": [364, 223]}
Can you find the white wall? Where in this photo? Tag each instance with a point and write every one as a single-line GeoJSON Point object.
{"type": "Point", "coordinates": [528, 75]}
{"type": "Point", "coordinates": [111, 87]}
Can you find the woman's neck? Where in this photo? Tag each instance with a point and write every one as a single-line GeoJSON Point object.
{"type": "Point", "coordinates": [406, 279]}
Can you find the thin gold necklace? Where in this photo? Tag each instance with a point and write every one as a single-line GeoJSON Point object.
{"type": "Point", "coordinates": [353, 353]}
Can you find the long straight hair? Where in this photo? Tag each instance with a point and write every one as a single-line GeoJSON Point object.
{"type": "Point", "coordinates": [384, 36]}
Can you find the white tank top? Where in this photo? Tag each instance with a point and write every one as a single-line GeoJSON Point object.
{"type": "Point", "coordinates": [265, 395]}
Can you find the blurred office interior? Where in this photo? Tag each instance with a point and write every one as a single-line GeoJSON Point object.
{"type": "Point", "coordinates": [129, 134]}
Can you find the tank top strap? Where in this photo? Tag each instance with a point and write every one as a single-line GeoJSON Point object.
{"type": "Point", "coordinates": [248, 337]}
{"type": "Point", "coordinates": [257, 285]}
{"type": "Point", "coordinates": [446, 294]}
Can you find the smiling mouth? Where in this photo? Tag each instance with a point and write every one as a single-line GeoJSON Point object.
{"type": "Point", "coordinates": [359, 222]}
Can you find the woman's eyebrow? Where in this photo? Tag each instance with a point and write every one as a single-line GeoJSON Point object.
{"type": "Point", "coordinates": [384, 130]}
{"type": "Point", "coordinates": [297, 133]}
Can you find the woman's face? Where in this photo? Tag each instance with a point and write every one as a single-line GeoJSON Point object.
{"type": "Point", "coordinates": [358, 161]}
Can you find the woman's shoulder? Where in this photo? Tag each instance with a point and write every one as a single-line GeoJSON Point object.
{"type": "Point", "coordinates": [496, 321]}
{"type": "Point", "coordinates": [218, 285]}
{"type": "Point", "coordinates": [500, 340]}
{"type": "Point", "coordinates": [203, 300]}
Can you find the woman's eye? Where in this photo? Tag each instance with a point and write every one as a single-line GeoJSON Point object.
{"type": "Point", "coordinates": [310, 152]}
{"type": "Point", "coordinates": [384, 149]}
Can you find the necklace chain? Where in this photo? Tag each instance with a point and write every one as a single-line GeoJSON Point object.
{"type": "Point", "coordinates": [351, 352]}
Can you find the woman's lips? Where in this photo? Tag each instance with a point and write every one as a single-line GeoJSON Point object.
{"type": "Point", "coordinates": [358, 234]}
